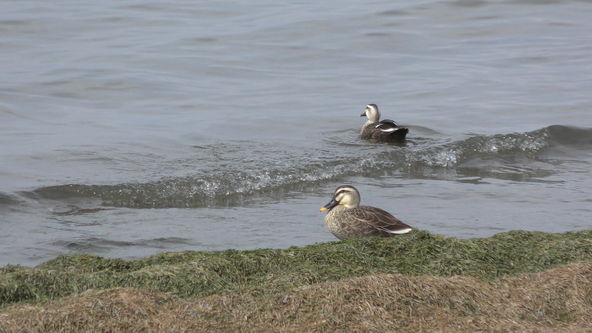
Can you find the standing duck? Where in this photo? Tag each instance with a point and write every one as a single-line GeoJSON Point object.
{"type": "Point", "coordinates": [346, 218]}
{"type": "Point", "coordinates": [381, 131]}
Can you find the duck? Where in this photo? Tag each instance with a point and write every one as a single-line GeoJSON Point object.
{"type": "Point", "coordinates": [347, 219]}
{"type": "Point", "coordinates": [380, 130]}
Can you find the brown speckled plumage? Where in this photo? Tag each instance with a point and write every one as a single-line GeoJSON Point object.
{"type": "Point", "coordinates": [346, 219]}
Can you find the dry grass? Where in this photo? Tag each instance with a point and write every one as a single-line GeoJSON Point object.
{"type": "Point", "coordinates": [559, 299]}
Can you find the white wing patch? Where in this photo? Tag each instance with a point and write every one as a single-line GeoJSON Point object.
{"type": "Point", "coordinates": [389, 130]}
{"type": "Point", "coordinates": [399, 232]}
{"type": "Point", "coordinates": [387, 126]}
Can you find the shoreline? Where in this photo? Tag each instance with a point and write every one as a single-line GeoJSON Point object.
{"type": "Point", "coordinates": [254, 279]}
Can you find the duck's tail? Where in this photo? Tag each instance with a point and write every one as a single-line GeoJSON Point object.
{"type": "Point", "coordinates": [399, 134]}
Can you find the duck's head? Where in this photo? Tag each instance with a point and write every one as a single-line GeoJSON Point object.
{"type": "Point", "coordinates": [371, 111]}
{"type": "Point", "coordinates": [345, 195]}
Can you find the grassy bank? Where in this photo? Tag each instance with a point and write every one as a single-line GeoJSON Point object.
{"type": "Point", "coordinates": [259, 272]}
{"type": "Point", "coordinates": [557, 300]}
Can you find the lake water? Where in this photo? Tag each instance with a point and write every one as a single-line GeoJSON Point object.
{"type": "Point", "coordinates": [128, 129]}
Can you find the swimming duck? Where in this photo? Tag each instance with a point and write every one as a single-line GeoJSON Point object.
{"type": "Point", "coordinates": [346, 218]}
{"type": "Point", "coordinates": [384, 130]}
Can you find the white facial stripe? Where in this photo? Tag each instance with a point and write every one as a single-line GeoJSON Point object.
{"type": "Point", "coordinates": [344, 195]}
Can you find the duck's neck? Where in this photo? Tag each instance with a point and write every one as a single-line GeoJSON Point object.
{"type": "Point", "coordinates": [366, 124]}
{"type": "Point", "coordinates": [343, 207]}
{"type": "Point", "coordinates": [337, 209]}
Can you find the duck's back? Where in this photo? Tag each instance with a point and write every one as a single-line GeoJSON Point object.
{"type": "Point", "coordinates": [371, 132]}
{"type": "Point", "coordinates": [364, 221]}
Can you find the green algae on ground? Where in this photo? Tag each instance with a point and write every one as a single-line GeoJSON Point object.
{"type": "Point", "coordinates": [196, 274]}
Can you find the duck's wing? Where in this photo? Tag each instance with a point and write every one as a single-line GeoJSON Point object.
{"type": "Point", "coordinates": [387, 126]}
{"type": "Point", "coordinates": [379, 220]}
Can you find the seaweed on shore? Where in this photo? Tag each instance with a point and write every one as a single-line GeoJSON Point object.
{"type": "Point", "coordinates": [259, 272]}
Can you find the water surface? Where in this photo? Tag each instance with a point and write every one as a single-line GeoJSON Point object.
{"type": "Point", "coordinates": [131, 129]}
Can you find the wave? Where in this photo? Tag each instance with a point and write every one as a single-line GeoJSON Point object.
{"type": "Point", "coordinates": [512, 156]}
{"type": "Point", "coordinates": [8, 200]}
{"type": "Point", "coordinates": [100, 244]}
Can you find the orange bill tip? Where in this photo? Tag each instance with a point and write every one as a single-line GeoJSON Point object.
{"type": "Point", "coordinates": [323, 209]}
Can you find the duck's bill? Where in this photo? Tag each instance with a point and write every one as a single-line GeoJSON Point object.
{"type": "Point", "coordinates": [363, 114]}
{"type": "Point", "coordinates": [330, 205]}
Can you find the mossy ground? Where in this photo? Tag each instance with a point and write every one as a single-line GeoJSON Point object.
{"type": "Point", "coordinates": [198, 274]}
{"type": "Point", "coordinates": [255, 284]}
{"type": "Point", "coordinates": [556, 300]}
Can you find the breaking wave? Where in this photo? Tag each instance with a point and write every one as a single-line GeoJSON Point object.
{"type": "Point", "coordinates": [503, 155]}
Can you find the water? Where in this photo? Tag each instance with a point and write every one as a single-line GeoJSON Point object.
{"type": "Point", "coordinates": [132, 129]}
